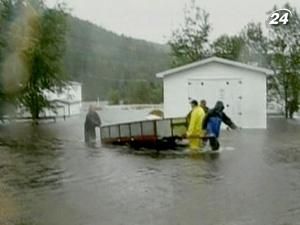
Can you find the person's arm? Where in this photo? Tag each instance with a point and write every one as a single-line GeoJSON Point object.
{"type": "Point", "coordinates": [228, 121]}
{"type": "Point", "coordinates": [188, 118]}
{"type": "Point", "coordinates": [95, 119]}
{"type": "Point", "coordinates": [98, 120]}
{"type": "Point", "coordinates": [205, 120]}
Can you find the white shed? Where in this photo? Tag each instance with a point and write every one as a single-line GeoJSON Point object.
{"type": "Point", "coordinates": [241, 87]}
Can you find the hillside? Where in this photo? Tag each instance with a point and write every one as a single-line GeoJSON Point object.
{"type": "Point", "coordinates": [112, 66]}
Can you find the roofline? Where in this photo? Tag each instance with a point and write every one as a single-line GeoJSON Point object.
{"type": "Point", "coordinates": [64, 101]}
{"type": "Point", "coordinates": [74, 82]}
{"type": "Point", "coordinates": [214, 59]}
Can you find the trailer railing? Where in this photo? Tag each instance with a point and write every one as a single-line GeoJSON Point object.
{"type": "Point", "coordinates": [144, 132]}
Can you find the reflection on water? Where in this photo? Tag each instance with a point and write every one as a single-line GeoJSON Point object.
{"type": "Point", "coordinates": [28, 162]}
{"type": "Point", "coordinates": [30, 158]}
{"type": "Point", "coordinates": [49, 176]}
{"type": "Point", "coordinates": [8, 207]}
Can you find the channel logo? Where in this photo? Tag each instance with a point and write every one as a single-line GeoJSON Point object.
{"type": "Point", "coordinates": [279, 17]}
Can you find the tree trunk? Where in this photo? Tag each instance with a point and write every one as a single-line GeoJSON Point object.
{"type": "Point", "coordinates": [291, 113]}
{"type": "Point", "coordinates": [35, 110]}
{"type": "Point", "coordinates": [286, 101]}
{"type": "Point", "coordinates": [35, 116]}
{"type": "Point", "coordinates": [286, 110]}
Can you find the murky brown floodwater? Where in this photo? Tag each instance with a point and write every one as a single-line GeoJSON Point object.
{"type": "Point", "coordinates": [49, 177]}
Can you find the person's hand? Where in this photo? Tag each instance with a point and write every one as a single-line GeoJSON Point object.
{"type": "Point", "coordinates": [232, 127]}
{"type": "Point", "coordinates": [236, 128]}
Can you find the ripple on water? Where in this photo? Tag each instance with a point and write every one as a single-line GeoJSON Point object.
{"type": "Point", "coordinates": [283, 154]}
{"type": "Point", "coordinates": [29, 165]}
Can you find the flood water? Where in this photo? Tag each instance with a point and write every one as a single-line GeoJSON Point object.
{"type": "Point", "coordinates": [49, 177]}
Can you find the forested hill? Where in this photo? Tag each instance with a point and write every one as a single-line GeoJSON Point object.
{"type": "Point", "coordinates": [112, 66]}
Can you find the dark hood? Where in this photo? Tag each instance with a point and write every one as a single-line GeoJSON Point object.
{"type": "Point", "coordinates": [219, 107]}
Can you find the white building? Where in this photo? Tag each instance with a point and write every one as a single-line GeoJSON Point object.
{"type": "Point", "coordinates": [241, 87]}
{"type": "Point", "coordinates": [67, 101]}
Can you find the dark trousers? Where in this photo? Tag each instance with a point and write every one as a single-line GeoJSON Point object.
{"type": "Point", "coordinates": [214, 143]}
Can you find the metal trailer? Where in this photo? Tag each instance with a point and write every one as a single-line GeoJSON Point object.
{"type": "Point", "coordinates": [157, 134]}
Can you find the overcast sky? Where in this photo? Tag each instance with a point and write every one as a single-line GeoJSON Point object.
{"type": "Point", "coordinates": [154, 20]}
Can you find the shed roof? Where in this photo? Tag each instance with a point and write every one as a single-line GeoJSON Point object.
{"type": "Point", "coordinates": [72, 82]}
{"type": "Point", "coordinates": [217, 60]}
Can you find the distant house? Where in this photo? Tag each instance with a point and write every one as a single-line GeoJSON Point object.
{"type": "Point", "coordinates": [241, 87]}
{"type": "Point", "coordinates": [67, 101]}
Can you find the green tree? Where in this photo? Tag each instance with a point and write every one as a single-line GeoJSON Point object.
{"type": "Point", "coordinates": [156, 93]}
{"type": "Point", "coordinates": [250, 46]}
{"type": "Point", "coordinates": [257, 51]}
{"type": "Point", "coordinates": [32, 48]}
{"type": "Point", "coordinates": [114, 97]}
{"type": "Point", "coordinates": [285, 59]}
{"type": "Point", "coordinates": [189, 42]}
{"type": "Point", "coordinates": [256, 46]}
{"type": "Point", "coordinates": [36, 46]}
{"type": "Point", "coordinates": [228, 47]}
{"type": "Point", "coordinates": [139, 92]}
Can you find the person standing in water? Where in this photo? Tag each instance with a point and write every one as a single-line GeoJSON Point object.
{"type": "Point", "coordinates": [92, 120]}
{"type": "Point", "coordinates": [205, 109]}
{"type": "Point", "coordinates": [204, 106]}
{"type": "Point", "coordinates": [212, 124]}
{"type": "Point", "coordinates": [194, 131]}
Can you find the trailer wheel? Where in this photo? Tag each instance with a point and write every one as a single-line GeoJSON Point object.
{"type": "Point", "coordinates": [134, 145]}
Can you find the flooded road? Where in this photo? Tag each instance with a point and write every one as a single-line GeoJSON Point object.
{"type": "Point", "coordinates": [49, 177]}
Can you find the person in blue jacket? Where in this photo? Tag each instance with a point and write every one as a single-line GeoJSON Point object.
{"type": "Point", "coordinates": [212, 124]}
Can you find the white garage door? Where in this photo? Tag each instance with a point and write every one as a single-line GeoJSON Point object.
{"type": "Point", "coordinates": [212, 90]}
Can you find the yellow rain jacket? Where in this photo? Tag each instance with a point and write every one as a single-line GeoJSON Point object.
{"type": "Point", "coordinates": [195, 128]}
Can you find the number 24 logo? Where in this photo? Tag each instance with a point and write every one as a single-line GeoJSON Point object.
{"type": "Point", "coordinates": [277, 18]}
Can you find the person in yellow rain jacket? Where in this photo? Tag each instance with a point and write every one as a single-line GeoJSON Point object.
{"type": "Point", "coordinates": [195, 126]}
